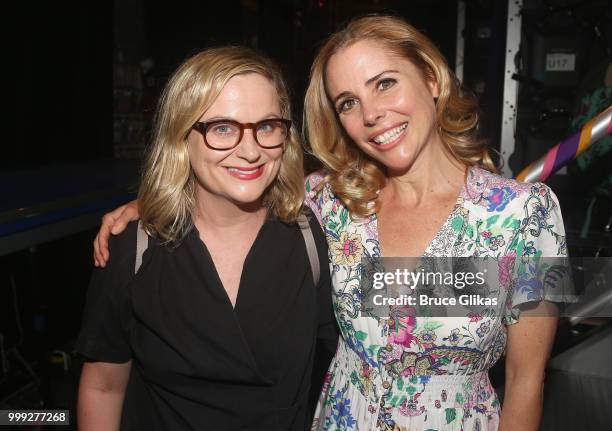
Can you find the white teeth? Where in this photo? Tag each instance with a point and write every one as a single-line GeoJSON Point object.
{"type": "Point", "coordinates": [242, 171]}
{"type": "Point", "coordinates": [390, 135]}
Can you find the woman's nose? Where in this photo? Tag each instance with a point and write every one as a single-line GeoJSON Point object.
{"type": "Point", "coordinates": [248, 149]}
{"type": "Point", "coordinates": [372, 112]}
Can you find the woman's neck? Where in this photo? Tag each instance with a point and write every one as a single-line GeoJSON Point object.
{"type": "Point", "coordinates": [218, 213]}
{"type": "Point", "coordinates": [434, 171]}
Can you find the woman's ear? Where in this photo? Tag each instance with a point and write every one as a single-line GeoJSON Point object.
{"type": "Point", "coordinates": [434, 89]}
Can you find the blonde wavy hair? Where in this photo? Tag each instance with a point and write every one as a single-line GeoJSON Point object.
{"type": "Point", "coordinates": [167, 191]}
{"type": "Point", "coordinates": [354, 177]}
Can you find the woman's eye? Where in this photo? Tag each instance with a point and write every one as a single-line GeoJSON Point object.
{"type": "Point", "coordinates": [266, 128]}
{"type": "Point", "coordinates": [224, 129]}
{"type": "Point", "coordinates": [385, 84]}
{"type": "Point", "coordinates": [346, 105]}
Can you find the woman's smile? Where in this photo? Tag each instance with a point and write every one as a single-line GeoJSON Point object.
{"type": "Point", "coordinates": [389, 138]}
{"type": "Point", "coordinates": [246, 173]}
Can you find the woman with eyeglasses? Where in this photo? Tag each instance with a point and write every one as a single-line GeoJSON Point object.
{"type": "Point", "coordinates": [204, 330]}
{"type": "Point", "coordinates": [405, 175]}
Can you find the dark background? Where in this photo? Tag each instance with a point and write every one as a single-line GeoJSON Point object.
{"type": "Point", "coordinates": [83, 81]}
{"type": "Point", "coordinates": [65, 54]}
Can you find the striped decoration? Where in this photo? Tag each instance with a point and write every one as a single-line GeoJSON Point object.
{"type": "Point", "coordinates": [561, 154]}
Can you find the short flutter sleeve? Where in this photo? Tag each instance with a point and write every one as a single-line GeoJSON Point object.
{"type": "Point", "coordinates": [104, 332]}
{"type": "Point", "coordinates": [536, 263]}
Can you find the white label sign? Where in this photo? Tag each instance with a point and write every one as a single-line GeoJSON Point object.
{"type": "Point", "coordinates": [560, 62]}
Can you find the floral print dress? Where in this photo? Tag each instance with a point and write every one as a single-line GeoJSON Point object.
{"type": "Point", "coordinates": [428, 373]}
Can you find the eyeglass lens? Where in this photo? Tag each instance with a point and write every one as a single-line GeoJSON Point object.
{"type": "Point", "coordinates": [268, 133]}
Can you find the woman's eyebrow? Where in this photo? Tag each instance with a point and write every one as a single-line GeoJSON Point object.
{"type": "Point", "coordinates": [271, 115]}
{"type": "Point", "coordinates": [367, 83]}
{"type": "Point", "coordinates": [217, 118]}
{"type": "Point", "coordinates": [263, 117]}
{"type": "Point", "coordinates": [375, 77]}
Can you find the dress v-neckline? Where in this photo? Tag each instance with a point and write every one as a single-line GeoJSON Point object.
{"type": "Point", "coordinates": [451, 215]}
{"type": "Point", "coordinates": [215, 271]}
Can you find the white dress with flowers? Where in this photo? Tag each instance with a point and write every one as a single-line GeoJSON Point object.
{"type": "Point", "coordinates": [429, 373]}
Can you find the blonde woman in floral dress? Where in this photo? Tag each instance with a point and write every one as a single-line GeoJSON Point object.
{"type": "Point", "coordinates": [405, 175]}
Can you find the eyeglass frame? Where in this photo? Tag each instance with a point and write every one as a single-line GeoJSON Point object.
{"type": "Point", "coordinates": [203, 126]}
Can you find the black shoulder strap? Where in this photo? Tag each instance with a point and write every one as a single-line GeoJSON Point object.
{"type": "Point", "coordinates": [311, 247]}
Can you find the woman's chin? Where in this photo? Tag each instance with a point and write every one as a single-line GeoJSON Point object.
{"type": "Point", "coordinates": [398, 167]}
{"type": "Point", "coordinates": [248, 203]}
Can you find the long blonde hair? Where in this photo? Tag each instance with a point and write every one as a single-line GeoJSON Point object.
{"type": "Point", "coordinates": [166, 195]}
{"type": "Point", "coordinates": [354, 177]}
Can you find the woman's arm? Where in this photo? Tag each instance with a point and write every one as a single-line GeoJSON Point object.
{"type": "Point", "coordinates": [113, 222]}
{"type": "Point", "coordinates": [527, 352]}
{"type": "Point", "coordinates": [101, 394]}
